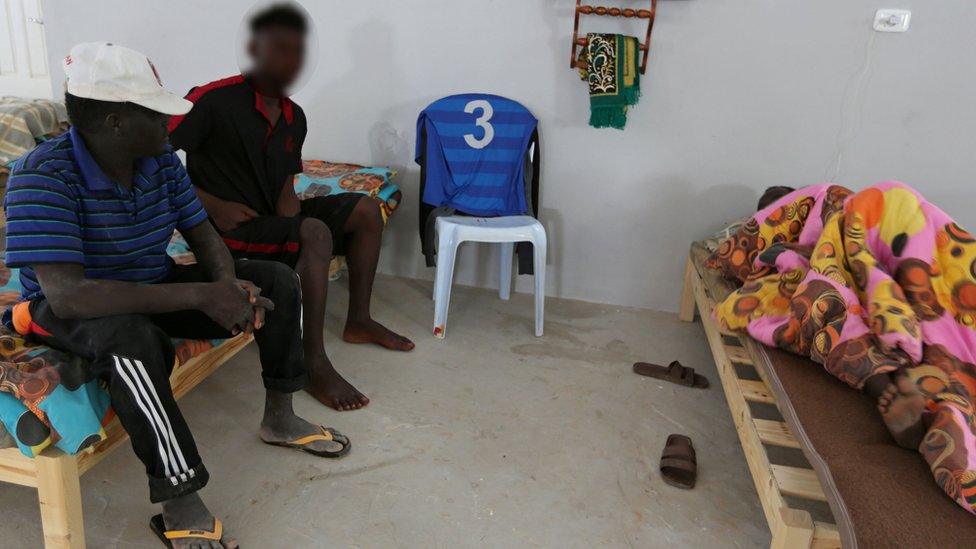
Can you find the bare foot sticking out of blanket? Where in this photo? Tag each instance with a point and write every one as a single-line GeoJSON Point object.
{"type": "Point", "coordinates": [901, 406]}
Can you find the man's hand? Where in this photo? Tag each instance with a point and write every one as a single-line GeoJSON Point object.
{"type": "Point", "coordinates": [260, 304]}
{"type": "Point", "coordinates": [230, 215]}
{"type": "Point", "coordinates": [235, 305]}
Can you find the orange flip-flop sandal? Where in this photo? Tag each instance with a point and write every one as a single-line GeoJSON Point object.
{"type": "Point", "coordinates": [167, 536]}
{"type": "Point", "coordinates": [325, 434]}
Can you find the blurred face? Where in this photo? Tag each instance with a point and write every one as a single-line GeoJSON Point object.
{"type": "Point", "coordinates": [278, 54]}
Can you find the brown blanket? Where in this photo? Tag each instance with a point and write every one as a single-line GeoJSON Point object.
{"type": "Point", "coordinates": [881, 495]}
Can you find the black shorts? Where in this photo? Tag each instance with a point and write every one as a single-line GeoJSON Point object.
{"type": "Point", "coordinates": [275, 238]}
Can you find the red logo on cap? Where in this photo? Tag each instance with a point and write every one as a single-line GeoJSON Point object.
{"type": "Point", "coordinates": [155, 73]}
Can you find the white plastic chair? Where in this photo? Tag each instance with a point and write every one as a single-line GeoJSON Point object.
{"type": "Point", "coordinates": [453, 230]}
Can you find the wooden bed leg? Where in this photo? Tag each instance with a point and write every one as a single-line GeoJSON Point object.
{"type": "Point", "coordinates": [686, 312]}
{"type": "Point", "coordinates": [59, 493]}
{"type": "Point", "coordinates": [796, 530]}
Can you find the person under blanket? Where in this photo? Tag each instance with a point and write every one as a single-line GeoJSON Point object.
{"type": "Point", "coordinates": [772, 194]}
{"type": "Point", "coordinates": [879, 287]}
{"type": "Point", "coordinates": [89, 216]}
{"type": "Point", "coordinates": [243, 141]}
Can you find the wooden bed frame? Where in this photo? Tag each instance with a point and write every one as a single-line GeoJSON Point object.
{"type": "Point", "coordinates": [789, 527]}
{"type": "Point", "coordinates": [56, 475]}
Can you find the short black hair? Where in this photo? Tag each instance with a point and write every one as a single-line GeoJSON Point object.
{"type": "Point", "coordinates": [87, 114]}
{"type": "Point", "coordinates": [281, 15]}
{"type": "Point", "coordinates": [772, 194]}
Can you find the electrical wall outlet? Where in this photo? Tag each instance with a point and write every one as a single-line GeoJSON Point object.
{"type": "Point", "coordinates": [892, 20]}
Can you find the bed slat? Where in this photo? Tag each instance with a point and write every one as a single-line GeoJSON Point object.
{"type": "Point", "coordinates": [825, 536]}
{"type": "Point", "coordinates": [756, 391]}
{"type": "Point", "coordinates": [801, 483]}
{"type": "Point", "coordinates": [775, 433]}
{"type": "Point", "coordinates": [738, 355]}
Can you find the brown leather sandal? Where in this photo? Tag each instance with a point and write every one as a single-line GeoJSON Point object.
{"type": "Point", "coordinates": [679, 466]}
{"type": "Point", "coordinates": [674, 372]}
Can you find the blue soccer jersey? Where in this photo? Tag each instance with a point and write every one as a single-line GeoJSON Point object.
{"type": "Point", "coordinates": [475, 152]}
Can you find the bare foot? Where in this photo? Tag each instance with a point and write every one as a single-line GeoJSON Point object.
{"type": "Point", "coordinates": [330, 388]}
{"type": "Point", "coordinates": [370, 331]}
{"type": "Point", "coordinates": [901, 406]}
{"type": "Point", "coordinates": [189, 513]}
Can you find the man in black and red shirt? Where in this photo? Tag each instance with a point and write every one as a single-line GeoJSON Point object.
{"type": "Point", "coordinates": [243, 141]}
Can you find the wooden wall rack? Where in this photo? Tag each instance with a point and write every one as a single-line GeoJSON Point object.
{"type": "Point", "coordinates": [584, 9]}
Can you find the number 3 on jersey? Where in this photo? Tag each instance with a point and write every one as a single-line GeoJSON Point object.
{"type": "Point", "coordinates": [482, 122]}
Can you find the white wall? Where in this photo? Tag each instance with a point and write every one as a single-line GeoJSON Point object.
{"type": "Point", "coordinates": [739, 95]}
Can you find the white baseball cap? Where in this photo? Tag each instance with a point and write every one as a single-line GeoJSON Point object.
{"type": "Point", "coordinates": [107, 72]}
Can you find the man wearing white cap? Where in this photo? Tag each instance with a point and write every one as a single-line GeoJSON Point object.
{"type": "Point", "coordinates": [90, 215]}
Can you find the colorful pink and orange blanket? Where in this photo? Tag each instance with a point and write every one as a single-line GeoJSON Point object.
{"type": "Point", "coordinates": [867, 283]}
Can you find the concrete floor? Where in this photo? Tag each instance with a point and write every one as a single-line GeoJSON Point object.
{"type": "Point", "coordinates": [490, 437]}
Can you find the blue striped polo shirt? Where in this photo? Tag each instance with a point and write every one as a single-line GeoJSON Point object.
{"type": "Point", "coordinates": [62, 208]}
